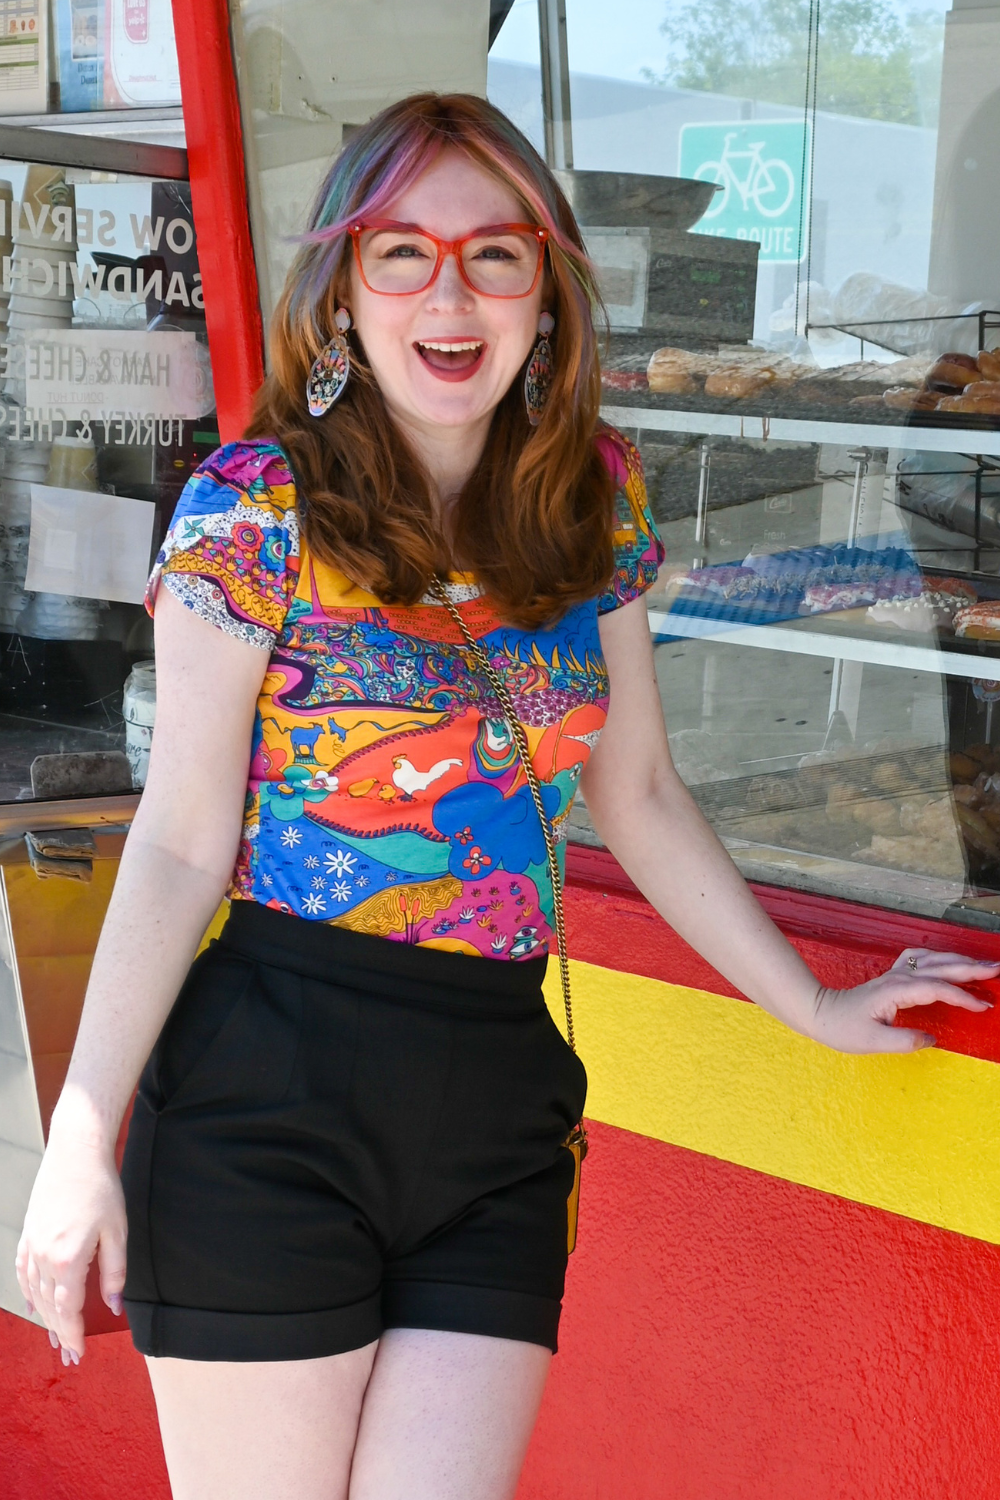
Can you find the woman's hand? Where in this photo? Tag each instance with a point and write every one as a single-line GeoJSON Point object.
{"type": "Point", "coordinates": [76, 1211]}
{"type": "Point", "coordinates": [861, 1019]}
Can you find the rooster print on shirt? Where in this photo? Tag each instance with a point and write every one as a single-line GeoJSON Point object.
{"type": "Point", "coordinates": [385, 792]}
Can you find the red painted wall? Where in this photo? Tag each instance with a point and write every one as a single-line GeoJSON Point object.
{"type": "Point", "coordinates": [727, 1336]}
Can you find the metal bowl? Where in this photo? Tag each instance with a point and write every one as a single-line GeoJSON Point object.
{"type": "Point", "coordinates": [635, 199]}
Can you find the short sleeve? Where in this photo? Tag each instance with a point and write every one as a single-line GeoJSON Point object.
{"type": "Point", "coordinates": [231, 553]}
{"type": "Point", "coordinates": [638, 548]}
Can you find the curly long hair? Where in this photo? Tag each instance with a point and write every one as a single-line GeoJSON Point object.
{"type": "Point", "coordinates": [534, 520]}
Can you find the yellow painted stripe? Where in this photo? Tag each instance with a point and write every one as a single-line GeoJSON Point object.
{"type": "Point", "coordinates": [917, 1135]}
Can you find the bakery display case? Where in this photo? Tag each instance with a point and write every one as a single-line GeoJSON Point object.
{"type": "Point", "coordinates": [804, 342]}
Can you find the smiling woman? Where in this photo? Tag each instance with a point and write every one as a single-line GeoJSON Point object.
{"type": "Point", "coordinates": [398, 626]}
{"type": "Point", "coordinates": [444, 235]}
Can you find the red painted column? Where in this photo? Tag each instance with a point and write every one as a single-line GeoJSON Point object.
{"type": "Point", "coordinates": [219, 201]}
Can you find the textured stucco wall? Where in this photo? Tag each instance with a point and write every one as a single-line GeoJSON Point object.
{"type": "Point", "coordinates": [764, 1304]}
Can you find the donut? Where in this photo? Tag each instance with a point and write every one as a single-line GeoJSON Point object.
{"type": "Point", "coordinates": [979, 622]}
{"type": "Point", "coordinates": [988, 361]}
{"type": "Point", "coordinates": [952, 372]}
{"type": "Point", "coordinates": [963, 592]}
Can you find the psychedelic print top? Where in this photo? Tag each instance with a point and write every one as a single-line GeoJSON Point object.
{"type": "Point", "coordinates": [385, 790]}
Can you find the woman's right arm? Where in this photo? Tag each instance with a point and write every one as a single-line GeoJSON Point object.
{"type": "Point", "coordinates": [174, 872]}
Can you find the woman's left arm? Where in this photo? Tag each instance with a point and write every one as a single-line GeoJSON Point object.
{"type": "Point", "coordinates": [648, 819]}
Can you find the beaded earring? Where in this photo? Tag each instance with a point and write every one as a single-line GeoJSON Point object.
{"type": "Point", "coordinates": [331, 368]}
{"type": "Point", "coordinates": [538, 377]}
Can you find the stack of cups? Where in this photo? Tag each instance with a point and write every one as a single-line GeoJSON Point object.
{"type": "Point", "coordinates": [26, 464]}
{"type": "Point", "coordinates": [42, 263]}
{"type": "Point", "coordinates": [66, 463]}
{"type": "Point", "coordinates": [6, 250]}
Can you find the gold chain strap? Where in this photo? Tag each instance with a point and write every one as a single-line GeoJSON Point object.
{"type": "Point", "coordinates": [502, 692]}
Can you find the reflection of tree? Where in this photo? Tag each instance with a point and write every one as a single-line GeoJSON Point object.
{"type": "Point", "coordinates": [873, 63]}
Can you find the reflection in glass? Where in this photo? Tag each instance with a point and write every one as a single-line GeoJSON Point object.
{"type": "Point", "coordinates": [106, 407]}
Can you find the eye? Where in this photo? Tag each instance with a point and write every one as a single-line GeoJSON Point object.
{"type": "Point", "coordinates": [495, 252]}
{"type": "Point", "coordinates": [404, 252]}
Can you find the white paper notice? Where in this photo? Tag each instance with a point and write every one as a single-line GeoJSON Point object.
{"type": "Point", "coordinates": [102, 370]}
{"type": "Point", "coordinates": [91, 546]}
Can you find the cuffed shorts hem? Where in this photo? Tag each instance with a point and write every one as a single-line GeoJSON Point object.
{"type": "Point", "coordinates": [164, 1332]}
{"type": "Point", "coordinates": [493, 1311]}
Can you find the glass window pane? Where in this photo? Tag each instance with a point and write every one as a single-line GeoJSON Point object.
{"type": "Point", "coordinates": [106, 407]}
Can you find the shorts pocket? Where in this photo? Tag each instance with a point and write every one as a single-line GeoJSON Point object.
{"type": "Point", "coordinates": [231, 1038]}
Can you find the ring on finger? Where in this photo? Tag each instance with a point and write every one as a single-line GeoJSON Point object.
{"type": "Point", "coordinates": [911, 963]}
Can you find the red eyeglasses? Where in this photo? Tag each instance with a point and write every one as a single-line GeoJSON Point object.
{"type": "Point", "coordinates": [502, 260]}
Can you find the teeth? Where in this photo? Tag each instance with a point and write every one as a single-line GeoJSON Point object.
{"type": "Point", "coordinates": [450, 348]}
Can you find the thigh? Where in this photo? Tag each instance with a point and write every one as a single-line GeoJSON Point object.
{"type": "Point", "coordinates": [275, 1430]}
{"type": "Point", "coordinates": [447, 1416]}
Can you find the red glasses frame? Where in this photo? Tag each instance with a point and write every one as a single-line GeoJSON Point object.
{"type": "Point", "coordinates": [450, 247]}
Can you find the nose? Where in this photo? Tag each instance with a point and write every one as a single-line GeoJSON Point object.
{"type": "Point", "coordinates": [449, 293]}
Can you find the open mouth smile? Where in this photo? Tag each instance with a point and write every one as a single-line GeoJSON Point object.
{"type": "Point", "coordinates": [451, 359]}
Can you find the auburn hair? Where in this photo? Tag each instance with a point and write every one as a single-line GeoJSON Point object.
{"type": "Point", "coordinates": [534, 521]}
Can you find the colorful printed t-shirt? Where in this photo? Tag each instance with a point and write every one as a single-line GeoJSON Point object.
{"type": "Point", "coordinates": [385, 792]}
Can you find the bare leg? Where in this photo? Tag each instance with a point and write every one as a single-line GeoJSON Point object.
{"type": "Point", "coordinates": [272, 1431]}
{"type": "Point", "coordinates": [447, 1416]}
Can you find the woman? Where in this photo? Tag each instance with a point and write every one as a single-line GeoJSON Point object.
{"type": "Point", "coordinates": [346, 1178]}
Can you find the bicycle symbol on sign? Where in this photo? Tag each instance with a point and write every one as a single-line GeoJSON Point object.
{"type": "Point", "coordinates": [768, 185]}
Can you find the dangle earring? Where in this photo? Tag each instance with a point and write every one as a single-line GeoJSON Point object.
{"type": "Point", "coordinates": [538, 376]}
{"type": "Point", "coordinates": [331, 368]}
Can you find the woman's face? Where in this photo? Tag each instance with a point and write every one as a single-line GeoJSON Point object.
{"type": "Point", "coordinates": [413, 342]}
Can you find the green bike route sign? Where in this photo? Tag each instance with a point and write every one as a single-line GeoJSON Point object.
{"type": "Point", "coordinates": [758, 167]}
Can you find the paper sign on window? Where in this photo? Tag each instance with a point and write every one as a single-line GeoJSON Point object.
{"type": "Point", "coordinates": [160, 374]}
{"type": "Point", "coordinates": [90, 545]}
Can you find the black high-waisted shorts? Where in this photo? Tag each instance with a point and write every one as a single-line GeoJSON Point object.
{"type": "Point", "coordinates": [338, 1134]}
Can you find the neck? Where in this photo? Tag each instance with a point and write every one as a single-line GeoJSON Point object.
{"type": "Point", "coordinates": [449, 455]}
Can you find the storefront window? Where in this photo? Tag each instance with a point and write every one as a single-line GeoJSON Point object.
{"type": "Point", "coordinates": [106, 407]}
{"type": "Point", "coordinates": [795, 211]}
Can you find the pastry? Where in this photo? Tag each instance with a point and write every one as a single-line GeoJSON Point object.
{"type": "Point", "coordinates": [738, 384]}
{"type": "Point", "coordinates": [930, 817]}
{"type": "Point", "coordinates": [881, 816]}
{"type": "Point", "coordinates": [928, 611]}
{"type": "Point", "coordinates": [928, 856]}
{"type": "Point", "coordinates": [957, 587]}
{"type": "Point", "coordinates": [976, 832]}
{"type": "Point", "coordinates": [988, 361]}
{"type": "Point", "coordinates": [905, 398]}
{"type": "Point", "coordinates": [979, 405]}
{"type": "Point", "coordinates": [979, 622]}
{"type": "Point", "coordinates": [952, 372]}
{"type": "Point", "coordinates": [963, 767]}
{"type": "Point", "coordinates": [671, 380]}
{"type": "Point", "coordinates": [892, 776]}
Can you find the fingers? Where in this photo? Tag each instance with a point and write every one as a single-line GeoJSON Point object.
{"type": "Point", "coordinates": [111, 1261]}
{"type": "Point", "coordinates": [964, 969]}
{"type": "Point", "coordinates": [67, 1298]}
{"type": "Point", "coordinates": [933, 991]}
{"type": "Point", "coordinates": [56, 1294]}
{"type": "Point", "coordinates": [899, 1039]}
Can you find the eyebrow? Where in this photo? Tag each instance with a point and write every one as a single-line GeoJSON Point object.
{"type": "Point", "coordinates": [407, 228]}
